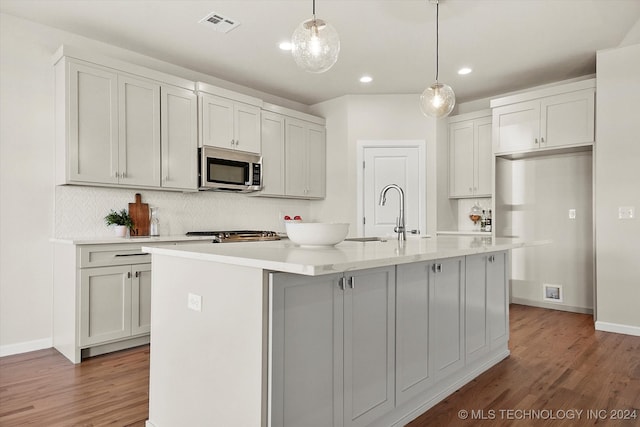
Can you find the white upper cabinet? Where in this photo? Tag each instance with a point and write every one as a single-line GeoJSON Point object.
{"type": "Point", "coordinates": [470, 155]}
{"type": "Point", "coordinates": [92, 125]}
{"type": "Point", "coordinates": [293, 157]}
{"type": "Point", "coordinates": [227, 122]}
{"type": "Point", "coordinates": [305, 159]}
{"type": "Point", "coordinates": [179, 147]}
{"type": "Point", "coordinates": [273, 167]}
{"type": "Point", "coordinates": [139, 132]}
{"type": "Point", "coordinates": [556, 117]}
{"type": "Point", "coordinates": [114, 128]}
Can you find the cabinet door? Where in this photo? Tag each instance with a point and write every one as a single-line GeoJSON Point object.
{"type": "Point", "coordinates": [446, 316]}
{"type": "Point", "coordinates": [246, 128]}
{"type": "Point", "coordinates": [516, 127]}
{"type": "Point", "coordinates": [498, 299]}
{"type": "Point", "coordinates": [476, 333]}
{"type": "Point", "coordinates": [316, 161]}
{"type": "Point", "coordinates": [306, 351]}
{"type": "Point", "coordinates": [93, 124]}
{"type": "Point", "coordinates": [179, 138]}
{"type": "Point", "coordinates": [568, 119]}
{"type": "Point", "coordinates": [369, 345]}
{"type": "Point", "coordinates": [461, 159]}
{"type": "Point", "coordinates": [141, 299]}
{"type": "Point", "coordinates": [139, 131]}
{"type": "Point", "coordinates": [273, 159]}
{"type": "Point", "coordinates": [483, 157]}
{"type": "Point", "coordinates": [216, 121]}
{"type": "Point", "coordinates": [413, 373]}
{"type": "Point", "coordinates": [105, 304]}
{"type": "Point", "coordinates": [295, 158]}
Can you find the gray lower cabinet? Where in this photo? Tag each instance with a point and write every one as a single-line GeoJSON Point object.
{"type": "Point", "coordinates": [363, 347]}
{"type": "Point", "coordinates": [486, 307]}
{"type": "Point", "coordinates": [115, 303]}
{"type": "Point", "coordinates": [429, 328]}
{"type": "Point", "coordinates": [332, 348]}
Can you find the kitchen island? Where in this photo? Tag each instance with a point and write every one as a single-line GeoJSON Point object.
{"type": "Point", "coordinates": [363, 333]}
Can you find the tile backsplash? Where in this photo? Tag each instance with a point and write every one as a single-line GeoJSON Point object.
{"type": "Point", "coordinates": [80, 211]}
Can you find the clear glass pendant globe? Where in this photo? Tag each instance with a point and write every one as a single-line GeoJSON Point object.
{"type": "Point", "coordinates": [316, 46]}
{"type": "Point", "coordinates": [437, 100]}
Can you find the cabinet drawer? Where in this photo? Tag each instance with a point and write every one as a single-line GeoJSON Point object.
{"type": "Point", "coordinates": [106, 255]}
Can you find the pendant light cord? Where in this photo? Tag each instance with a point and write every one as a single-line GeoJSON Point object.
{"type": "Point", "coordinates": [437, 37]}
{"type": "Point", "coordinates": [314, 10]}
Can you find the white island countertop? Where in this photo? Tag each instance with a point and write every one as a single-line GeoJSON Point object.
{"type": "Point", "coordinates": [287, 257]}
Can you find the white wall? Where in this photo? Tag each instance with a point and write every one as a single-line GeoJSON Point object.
{"type": "Point", "coordinates": [370, 117]}
{"type": "Point", "coordinates": [32, 209]}
{"type": "Point", "coordinates": [534, 196]}
{"type": "Point", "coordinates": [617, 183]}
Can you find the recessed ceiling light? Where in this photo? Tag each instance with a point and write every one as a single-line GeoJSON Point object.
{"type": "Point", "coordinates": [285, 45]}
{"type": "Point", "coordinates": [366, 79]}
{"type": "Point", "coordinates": [464, 70]}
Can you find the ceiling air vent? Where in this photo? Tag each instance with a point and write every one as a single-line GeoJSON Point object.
{"type": "Point", "coordinates": [220, 23]}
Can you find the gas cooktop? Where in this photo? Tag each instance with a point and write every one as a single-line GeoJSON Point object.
{"type": "Point", "coordinates": [237, 235]}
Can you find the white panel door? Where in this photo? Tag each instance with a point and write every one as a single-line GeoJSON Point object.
{"type": "Point", "coordinates": [316, 161]}
{"type": "Point", "coordinates": [483, 156]}
{"type": "Point", "coordinates": [179, 138]}
{"type": "Point", "coordinates": [390, 165]}
{"type": "Point", "coordinates": [246, 128]}
{"type": "Point", "coordinates": [93, 124]}
{"type": "Point", "coordinates": [141, 299]}
{"type": "Point", "coordinates": [461, 159]}
{"type": "Point", "coordinates": [273, 167]}
{"type": "Point", "coordinates": [139, 130]}
{"type": "Point", "coordinates": [295, 158]}
{"type": "Point", "coordinates": [217, 122]}
{"type": "Point", "coordinates": [105, 304]}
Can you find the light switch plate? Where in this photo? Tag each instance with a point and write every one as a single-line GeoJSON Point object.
{"type": "Point", "coordinates": [572, 214]}
{"type": "Point", "coordinates": [626, 212]}
{"type": "Point", "coordinates": [194, 302]}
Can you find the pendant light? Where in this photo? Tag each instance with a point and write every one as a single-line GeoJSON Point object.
{"type": "Point", "coordinates": [438, 99]}
{"type": "Point", "coordinates": [315, 45]}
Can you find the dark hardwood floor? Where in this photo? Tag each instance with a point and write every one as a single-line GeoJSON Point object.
{"type": "Point", "coordinates": [558, 363]}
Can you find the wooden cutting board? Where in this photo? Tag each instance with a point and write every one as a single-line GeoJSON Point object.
{"type": "Point", "coordinates": [139, 213]}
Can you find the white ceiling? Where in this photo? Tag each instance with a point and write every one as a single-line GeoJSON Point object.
{"type": "Point", "coordinates": [510, 44]}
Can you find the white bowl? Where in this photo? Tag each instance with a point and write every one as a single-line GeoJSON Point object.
{"type": "Point", "coordinates": [316, 233]}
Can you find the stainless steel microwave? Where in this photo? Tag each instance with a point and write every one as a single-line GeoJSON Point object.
{"type": "Point", "coordinates": [229, 170]}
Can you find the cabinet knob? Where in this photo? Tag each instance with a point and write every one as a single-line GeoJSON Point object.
{"type": "Point", "coordinates": [542, 140]}
{"type": "Point", "coordinates": [341, 283]}
{"type": "Point", "coordinates": [352, 282]}
{"type": "Point", "coordinates": [535, 140]}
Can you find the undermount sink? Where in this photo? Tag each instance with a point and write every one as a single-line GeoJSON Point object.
{"type": "Point", "coordinates": [366, 239]}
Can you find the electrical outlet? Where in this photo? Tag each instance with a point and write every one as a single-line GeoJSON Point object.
{"type": "Point", "coordinates": [194, 302]}
{"type": "Point", "coordinates": [626, 212]}
{"type": "Point", "coordinates": [572, 214]}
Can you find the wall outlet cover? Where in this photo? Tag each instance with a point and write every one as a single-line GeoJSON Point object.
{"type": "Point", "coordinates": [626, 212]}
{"type": "Point", "coordinates": [194, 302]}
{"type": "Point", "coordinates": [552, 293]}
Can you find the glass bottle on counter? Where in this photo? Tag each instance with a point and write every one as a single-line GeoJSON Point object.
{"type": "Point", "coordinates": [483, 221]}
{"type": "Point", "coordinates": [154, 222]}
{"type": "Point", "coordinates": [489, 224]}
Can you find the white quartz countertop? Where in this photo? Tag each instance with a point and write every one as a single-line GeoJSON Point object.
{"type": "Point", "coordinates": [287, 257]}
{"type": "Point", "coordinates": [117, 240]}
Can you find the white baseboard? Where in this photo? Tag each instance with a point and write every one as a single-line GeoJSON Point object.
{"type": "Point", "coordinates": [617, 328]}
{"type": "Point", "coordinates": [552, 306]}
{"type": "Point", "coordinates": [25, 347]}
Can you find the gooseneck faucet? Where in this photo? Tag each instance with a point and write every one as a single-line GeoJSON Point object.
{"type": "Point", "coordinates": [400, 227]}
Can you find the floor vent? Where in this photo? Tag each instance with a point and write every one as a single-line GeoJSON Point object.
{"type": "Point", "coordinates": [220, 23]}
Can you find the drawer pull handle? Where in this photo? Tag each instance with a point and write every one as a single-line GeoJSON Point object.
{"type": "Point", "coordinates": [119, 255]}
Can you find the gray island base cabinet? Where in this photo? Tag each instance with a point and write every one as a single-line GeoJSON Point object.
{"type": "Point", "coordinates": [344, 346]}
